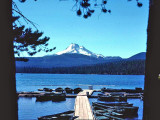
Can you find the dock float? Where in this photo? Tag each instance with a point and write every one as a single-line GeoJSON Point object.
{"type": "Point", "coordinates": [83, 110]}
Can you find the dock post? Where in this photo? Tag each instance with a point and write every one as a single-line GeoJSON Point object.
{"type": "Point", "coordinates": [90, 87]}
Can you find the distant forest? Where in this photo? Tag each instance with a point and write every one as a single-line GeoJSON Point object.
{"type": "Point", "coordinates": [124, 67]}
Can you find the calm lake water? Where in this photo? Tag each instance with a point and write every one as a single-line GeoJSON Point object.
{"type": "Point", "coordinates": [29, 109]}
{"type": "Point", "coordinates": [31, 82]}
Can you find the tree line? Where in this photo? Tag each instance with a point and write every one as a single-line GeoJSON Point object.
{"type": "Point", "coordinates": [124, 67]}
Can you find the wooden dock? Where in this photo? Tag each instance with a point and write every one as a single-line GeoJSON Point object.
{"type": "Point", "coordinates": [84, 92]}
{"type": "Point", "coordinates": [82, 106]}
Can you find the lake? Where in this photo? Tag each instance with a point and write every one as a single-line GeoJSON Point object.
{"type": "Point", "coordinates": [31, 82]}
{"type": "Point", "coordinates": [29, 109]}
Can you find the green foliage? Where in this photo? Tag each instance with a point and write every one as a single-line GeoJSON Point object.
{"type": "Point", "coordinates": [29, 41]}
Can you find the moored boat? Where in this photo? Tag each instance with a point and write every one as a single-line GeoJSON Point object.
{"type": "Point", "coordinates": [45, 97]}
{"type": "Point", "coordinates": [114, 104]}
{"type": "Point", "coordinates": [56, 96]}
{"type": "Point", "coordinates": [136, 90]}
{"type": "Point", "coordinates": [59, 97]}
{"type": "Point", "coordinates": [117, 110]}
{"type": "Point", "coordinates": [40, 89]}
{"type": "Point", "coordinates": [59, 89]}
{"type": "Point", "coordinates": [47, 89]}
{"type": "Point", "coordinates": [68, 90]}
{"type": "Point", "coordinates": [68, 115]}
{"type": "Point", "coordinates": [77, 90]}
{"type": "Point", "coordinates": [112, 98]}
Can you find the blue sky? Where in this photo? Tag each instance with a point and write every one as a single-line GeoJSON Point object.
{"type": "Point", "coordinates": [121, 33]}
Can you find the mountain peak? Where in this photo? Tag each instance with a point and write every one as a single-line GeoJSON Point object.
{"type": "Point", "coordinates": [74, 45]}
{"type": "Point", "coordinates": [141, 55]}
{"type": "Point", "coordinates": [74, 48]}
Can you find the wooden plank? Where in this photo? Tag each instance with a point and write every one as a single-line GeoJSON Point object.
{"type": "Point", "coordinates": [82, 106]}
{"type": "Point", "coordinates": [76, 107]}
{"type": "Point", "coordinates": [84, 92]}
{"type": "Point", "coordinates": [89, 110]}
{"type": "Point", "coordinates": [84, 115]}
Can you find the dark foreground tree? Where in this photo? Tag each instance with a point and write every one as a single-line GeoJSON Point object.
{"type": "Point", "coordinates": [8, 100]}
{"type": "Point", "coordinates": [29, 41]}
{"type": "Point", "coordinates": [152, 83]}
{"type": "Point", "coordinates": [25, 39]}
{"type": "Point", "coordinates": [14, 40]}
{"type": "Point", "coordinates": [152, 71]}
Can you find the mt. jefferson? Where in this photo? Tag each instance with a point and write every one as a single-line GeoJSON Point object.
{"type": "Point", "coordinates": [74, 55]}
{"type": "Point", "coordinates": [76, 49]}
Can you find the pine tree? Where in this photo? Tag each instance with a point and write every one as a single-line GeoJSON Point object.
{"type": "Point", "coordinates": [25, 39]}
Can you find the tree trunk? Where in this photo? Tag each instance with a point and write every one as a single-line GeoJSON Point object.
{"type": "Point", "coordinates": [152, 70]}
{"type": "Point", "coordinates": [7, 78]}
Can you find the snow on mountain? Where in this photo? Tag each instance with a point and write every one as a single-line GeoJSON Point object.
{"type": "Point", "coordinates": [76, 49]}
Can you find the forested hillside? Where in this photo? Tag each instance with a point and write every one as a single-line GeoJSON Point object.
{"type": "Point", "coordinates": [123, 67]}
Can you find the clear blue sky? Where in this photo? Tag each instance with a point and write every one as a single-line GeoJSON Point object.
{"type": "Point", "coordinates": [121, 33]}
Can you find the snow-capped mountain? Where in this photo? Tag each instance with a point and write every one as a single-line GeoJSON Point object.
{"type": "Point", "coordinates": [76, 49]}
{"type": "Point", "coordinates": [74, 55]}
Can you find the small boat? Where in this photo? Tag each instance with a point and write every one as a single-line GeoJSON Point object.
{"type": "Point", "coordinates": [114, 104]}
{"type": "Point", "coordinates": [40, 89]}
{"type": "Point", "coordinates": [136, 90]}
{"type": "Point", "coordinates": [45, 97]}
{"type": "Point", "coordinates": [110, 90]}
{"type": "Point", "coordinates": [51, 96]}
{"type": "Point", "coordinates": [59, 89]}
{"type": "Point", "coordinates": [139, 90]}
{"type": "Point", "coordinates": [111, 98]}
{"type": "Point", "coordinates": [120, 110]}
{"type": "Point", "coordinates": [102, 118]}
{"type": "Point", "coordinates": [103, 89]}
{"type": "Point", "coordinates": [47, 89]}
{"type": "Point", "coordinates": [77, 90]}
{"type": "Point", "coordinates": [110, 116]}
{"type": "Point", "coordinates": [130, 111]}
{"type": "Point", "coordinates": [59, 97]}
{"type": "Point", "coordinates": [68, 90]}
{"type": "Point", "coordinates": [68, 115]}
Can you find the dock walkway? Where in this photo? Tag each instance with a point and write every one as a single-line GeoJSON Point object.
{"type": "Point", "coordinates": [82, 106]}
{"type": "Point", "coordinates": [84, 92]}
